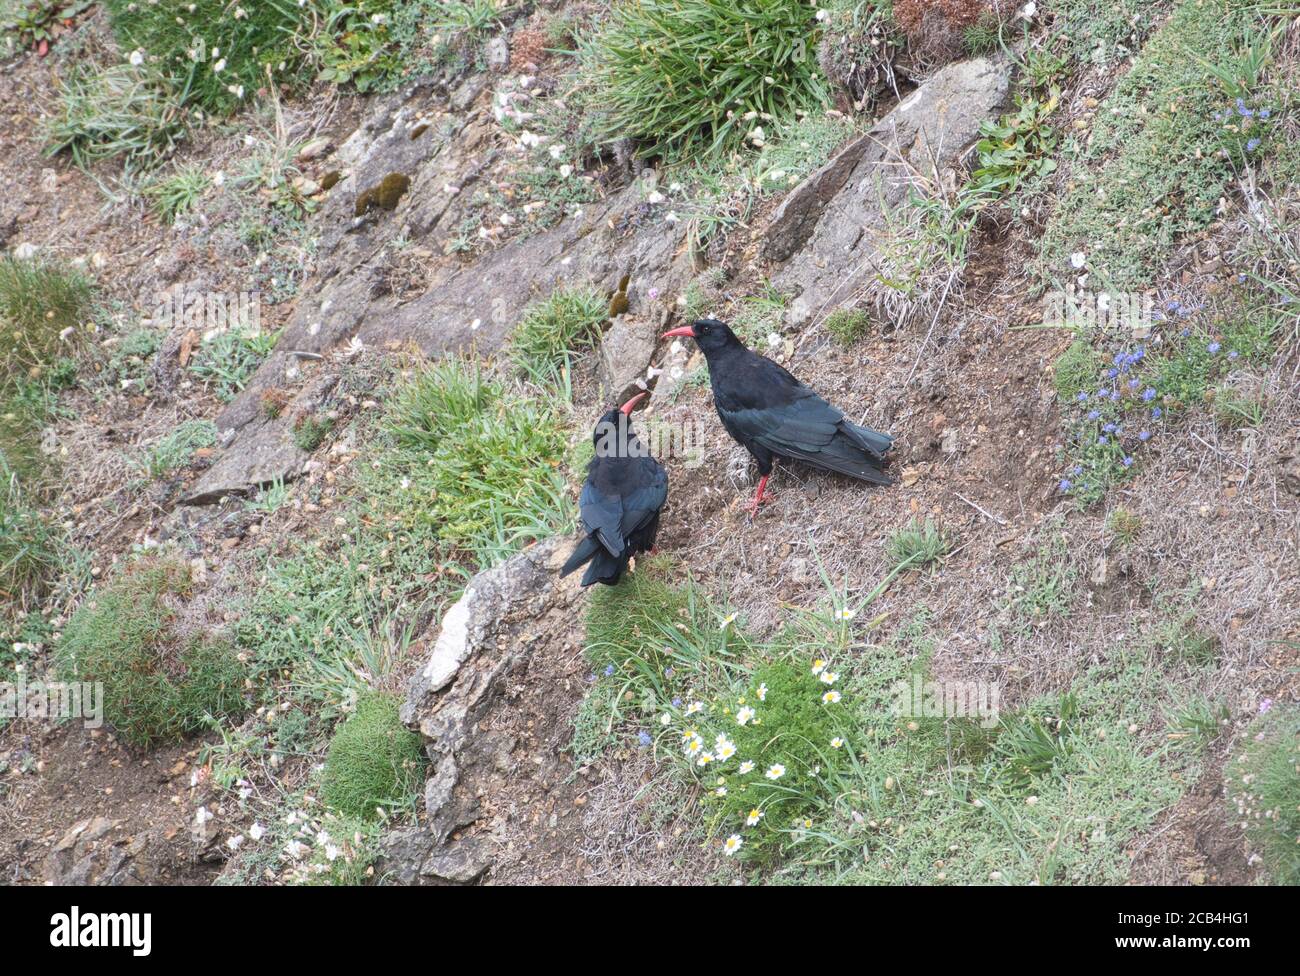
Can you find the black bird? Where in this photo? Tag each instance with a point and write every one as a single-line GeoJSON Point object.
{"type": "Point", "coordinates": [621, 500]}
{"type": "Point", "coordinates": [773, 415]}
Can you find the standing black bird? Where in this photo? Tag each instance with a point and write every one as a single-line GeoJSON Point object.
{"type": "Point", "coordinates": [621, 500]}
{"type": "Point", "coordinates": [773, 415]}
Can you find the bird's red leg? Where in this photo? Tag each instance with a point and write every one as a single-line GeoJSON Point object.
{"type": "Point", "coordinates": [758, 499]}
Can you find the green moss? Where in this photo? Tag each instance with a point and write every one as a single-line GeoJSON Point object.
{"type": "Point", "coordinates": [374, 761]}
{"type": "Point", "coordinates": [159, 685]}
{"type": "Point", "coordinates": [384, 195]}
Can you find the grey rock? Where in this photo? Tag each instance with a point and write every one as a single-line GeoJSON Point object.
{"type": "Point", "coordinates": [795, 219]}
{"type": "Point", "coordinates": [496, 53]}
{"type": "Point", "coordinates": [625, 355]}
{"type": "Point", "coordinates": [928, 132]}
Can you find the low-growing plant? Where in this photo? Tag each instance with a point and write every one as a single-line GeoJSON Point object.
{"type": "Point", "coordinates": [176, 449]}
{"type": "Point", "coordinates": [1264, 790]}
{"type": "Point", "coordinates": [39, 300]}
{"type": "Point", "coordinates": [159, 683]}
{"type": "Point", "coordinates": [847, 325]}
{"type": "Point", "coordinates": [310, 431]}
{"type": "Point", "coordinates": [555, 329]}
{"type": "Point", "coordinates": [119, 111]}
{"type": "Point", "coordinates": [916, 545]}
{"type": "Point", "coordinates": [692, 76]}
{"type": "Point", "coordinates": [1016, 148]}
{"type": "Point", "coordinates": [29, 546]}
{"type": "Point", "coordinates": [374, 762]}
{"type": "Point", "coordinates": [227, 360]}
{"type": "Point", "coordinates": [1124, 525]}
{"type": "Point", "coordinates": [1076, 370]}
{"type": "Point", "coordinates": [176, 194]}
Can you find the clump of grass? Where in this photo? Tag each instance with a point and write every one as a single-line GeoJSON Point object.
{"type": "Point", "coordinates": [216, 58]}
{"type": "Point", "coordinates": [226, 361]}
{"type": "Point", "coordinates": [159, 685]}
{"type": "Point", "coordinates": [847, 325]}
{"type": "Point", "coordinates": [175, 195]}
{"type": "Point", "coordinates": [1042, 586]}
{"type": "Point", "coordinates": [1264, 791]}
{"type": "Point", "coordinates": [29, 546]}
{"type": "Point", "coordinates": [1124, 526]}
{"type": "Point", "coordinates": [39, 299]}
{"type": "Point", "coordinates": [692, 76]}
{"type": "Point", "coordinates": [310, 431]}
{"type": "Point", "coordinates": [116, 111]}
{"type": "Point", "coordinates": [486, 461]}
{"type": "Point", "coordinates": [1076, 370]}
{"type": "Point", "coordinates": [176, 449]}
{"type": "Point", "coordinates": [374, 761]}
{"type": "Point", "coordinates": [556, 328]}
{"type": "Point", "coordinates": [916, 545]}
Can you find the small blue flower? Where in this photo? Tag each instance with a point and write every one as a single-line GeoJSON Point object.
{"type": "Point", "coordinates": [1265, 113]}
{"type": "Point", "coordinates": [643, 739]}
{"type": "Point", "coordinates": [609, 670]}
{"type": "Point", "coordinates": [1157, 413]}
{"type": "Point", "coordinates": [1148, 394]}
{"type": "Point", "coordinates": [1094, 414]}
{"type": "Point", "coordinates": [1065, 484]}
{"type": "Point", "coordinates": [1083, 395]}
{"type": "Point", "coordinates": [1128, 462]}
{"type": "Point", "coordinates": [1185, 333]}
{"type": "Point", "coordinates": [668, 672]}
{"type": "Point", "coordinates": [1103, 440]}
{"type": "Point", "coordinates": [1144, 436]}
{"type": "Point", "coordinates": [1112, 373]}
{"type": "Point", "coordinates": [1110, 428]}
{"type": "Point", "coordinates": [1234, 354]}
{"type": "Point", "coordinates": [1077, 469]}
{"type": "Point", "coordinates": [677, 702]}
{"type": "Point", "coordinates": [1252, 144]}
{"type": "Point", "coordinates": [1213, 348]}
{"type": "Point", "coordinates": [1134, 383]}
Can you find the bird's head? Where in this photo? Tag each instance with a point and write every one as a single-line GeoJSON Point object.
{"type": "Point", "coordinates": [614, 435]}
{"type": "Point", "coordinates": [710, 334]}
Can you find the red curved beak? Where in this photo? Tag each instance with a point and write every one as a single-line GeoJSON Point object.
{"type": "Point", "coordinates": [627, 407]}
{"type": "Point", "coordinates": [685, 330]}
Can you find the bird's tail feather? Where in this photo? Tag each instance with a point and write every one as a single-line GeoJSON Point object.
{"type": "Point", "coordinates": [584, 551]}
{"type": "Point", "coordinates": [605, 569]}
{"type": "Point", "coordinates": [872, 441]}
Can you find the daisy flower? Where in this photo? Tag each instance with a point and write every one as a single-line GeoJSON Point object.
{"type": "Point", "coordinates": [746, 767]}
{"type": "Point", "coordinates": [829, 677]}
{"type": "Point", "coordinates": [725, 749]}
{"type": "Point", "coordinates": [837, 742]}
{"type": "Point", "coordinates": [727, 621]}
{"type": "Point", "coordinates": [732, 844]}
{"type": "Point", "coordinates": [845, 614]}
{"type": "Point", "coordinates": [694, 707]}
{"type": "Point", "coordinates": [694, 746]}
{"type": "Point", "coordinates": [705, 759]}
{"type": "Point", "coordinates": [754, 817]}
{"type": "Point", "coordinates": [720, 791]}
{"type": "Point", "coordinates": [818, 666]}
{"type": "Point", "coordinates": [831, 697]}
{"type": "Point", "coordinates": [744, 715]}
{"type": "Point", "coordinates": [775, 771]}
{"type": "Point", "coordinates": [762, 692]}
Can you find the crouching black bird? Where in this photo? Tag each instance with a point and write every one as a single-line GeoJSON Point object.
{"type": "Point", "coordinates": [620, 503]}
{"type": "Point", "coordinates": [773, 415]}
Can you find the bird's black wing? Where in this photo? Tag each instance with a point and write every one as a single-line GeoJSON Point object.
{"type": "Point", "coordinates": [644, 502]}
{"type": "Point", "coordinates": [772, 409]}
{"type": "Point", "coordinates": [602, 515]}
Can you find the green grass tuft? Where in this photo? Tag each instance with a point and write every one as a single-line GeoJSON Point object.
{"type": "Point", "coordinates": [692, 76]}
{"type": "Point", "coordinates": [159, 685]}
{"type": "Point", "coordinates": [176, 449]}
{"type": "Point", "coordinates": [1076, 370]}
{"type": "Point", "coordinates": [39, 299]}
{"type": "Point", "coordinates": [916, 545]}
{"type": "Point", "coordinates": [30, 551]}
{"type": "Point", "coordinates": [374, 761]}
{"type": "Point", "coordinates": [1264, 791]}
{"type": "Point", "coordinates": [847, 325]}
{"type": "Point", "coordinates": [553, 330]}
{"type": "Point", "coordinates": [228, 360]}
